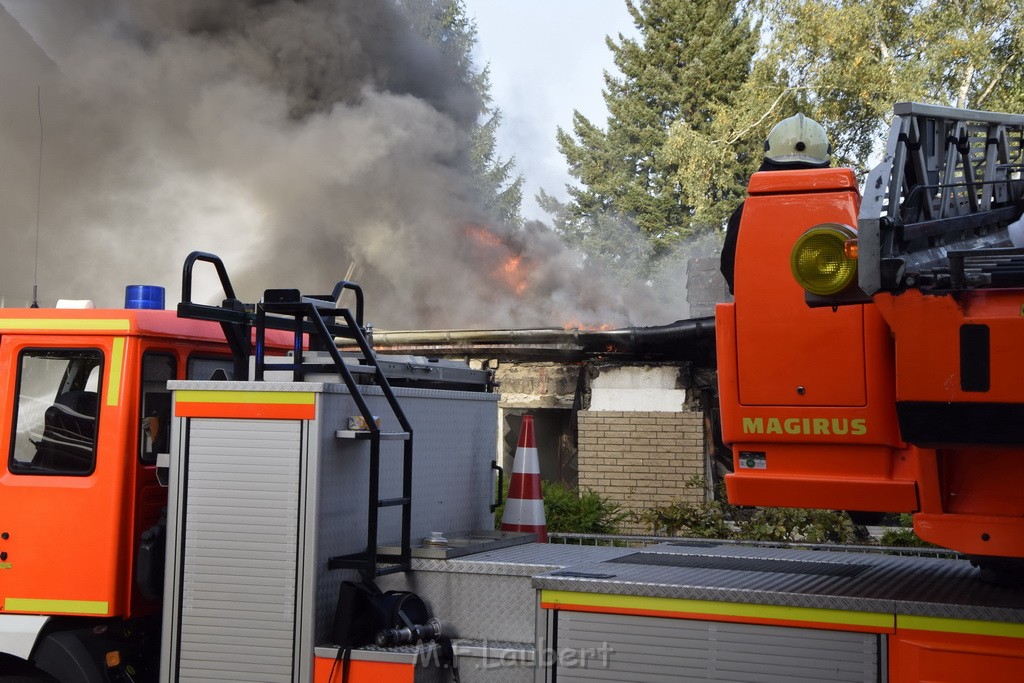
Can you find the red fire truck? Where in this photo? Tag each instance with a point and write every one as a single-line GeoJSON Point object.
{"type": "Point", "coordinates": [883, 375]}
{"type": "Point", "coordinates": [291, 472]}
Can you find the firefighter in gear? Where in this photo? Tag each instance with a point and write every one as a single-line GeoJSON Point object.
{"type": "Point", "coordinates": [794, 143]}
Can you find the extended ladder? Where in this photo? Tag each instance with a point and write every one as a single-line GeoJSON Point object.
{"type": "Point", "coordinates": [950, 181]}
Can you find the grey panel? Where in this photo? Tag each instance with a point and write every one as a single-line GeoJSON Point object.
{"type": "Point", "coordinates": [238, 575]}
{"type": "Point", "coordinates": [454, 437]}
{"type": "Point", "coordinates": [611, 647]}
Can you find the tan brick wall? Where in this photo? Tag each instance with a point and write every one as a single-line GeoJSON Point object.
{"type": "Point", "coordinates": [641, 459]}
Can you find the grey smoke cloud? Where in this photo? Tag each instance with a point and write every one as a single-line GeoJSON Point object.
{"type": "Point", "coordinates": [295, 139]}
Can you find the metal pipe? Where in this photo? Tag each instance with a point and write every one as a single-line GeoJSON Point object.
{"type": "Point", "coordinates": [682, 339]}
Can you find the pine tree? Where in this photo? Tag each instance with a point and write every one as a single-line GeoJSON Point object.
{"type": "Point", "coordinates": [691, 58]}
{"type": "Point", "coordinates": [446, 26]}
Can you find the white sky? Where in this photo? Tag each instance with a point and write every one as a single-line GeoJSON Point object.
{"type": "Point", "coordinates": [547, 58]}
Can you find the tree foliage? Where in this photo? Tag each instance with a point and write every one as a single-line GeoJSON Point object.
{"type": "Point", "coordinates": [853, 59]}
{"type": "Point", "coordinates": [446, 26]}
{"type": "Point", "coordinates": [685, 128]}
{"type": "Point", "coordinates": [689, 60]}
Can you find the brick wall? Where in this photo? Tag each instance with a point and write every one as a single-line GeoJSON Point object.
{"type": "Point", "coordinates": [641, 459]}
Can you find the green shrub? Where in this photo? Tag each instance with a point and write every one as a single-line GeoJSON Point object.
{"type": "Point", "coordinates": [902, 535]}
{"type": "Point", "coordinates": [696, 520]}
{"type": "Point", "coordinates": [798, 524]}
{"type": "Point", "coordinates": [581, 512]}
{"type": "Point", "coordinates": [570, 511]}
{"type": "Point", "coordinates": [702, 519]}
{"type": "Point", "coordinates": [719, 519]}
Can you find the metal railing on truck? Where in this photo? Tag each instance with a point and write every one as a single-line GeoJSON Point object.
{"type": "Point", "coordinates": [313, 323]}
{"type": "Point", "coordinates": [950, 184]}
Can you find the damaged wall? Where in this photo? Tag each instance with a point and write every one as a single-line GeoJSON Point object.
{"type": "Point", "coordinates": [551, 392]}
{"type": "Point", "coordinates": [641, 440]}
{"type": "Point", "coordinates": [628, 431]}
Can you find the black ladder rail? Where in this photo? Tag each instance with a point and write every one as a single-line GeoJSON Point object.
{"type": "Point", "coordinates": [367, 562]}
{"type": "Point", "coordinates": [290, 312]}
{"type": "Point", "coordinates": [234, 318]}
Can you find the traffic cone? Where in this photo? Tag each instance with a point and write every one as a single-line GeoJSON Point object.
{"type": "Point", "coordinates": [524, 506]}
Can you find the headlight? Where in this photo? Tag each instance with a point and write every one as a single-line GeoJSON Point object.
{"type": "Point", "coordinates": [824, 259]}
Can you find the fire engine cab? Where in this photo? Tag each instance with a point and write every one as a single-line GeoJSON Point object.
{"type": "Point", "coordinates": [86, 410]}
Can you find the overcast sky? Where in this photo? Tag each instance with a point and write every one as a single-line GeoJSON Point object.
{"type": "Point", "coordinates": [547, 58]}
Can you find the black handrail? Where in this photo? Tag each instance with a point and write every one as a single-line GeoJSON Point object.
{"type": "Point", "coordinates": [340, 288]}
{"type": "Point", "coordinates": [234, 320]}
{"type": "Point", "coordinates": [186, 276]}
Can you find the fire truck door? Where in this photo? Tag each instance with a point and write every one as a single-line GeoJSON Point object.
{"type": "Point", "coordinates": [62, 477]}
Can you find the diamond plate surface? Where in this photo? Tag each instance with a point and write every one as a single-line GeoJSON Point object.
{"type": "Point", "coordinates": [885, 584]}
{"type": "Point", "coordinates": [523, 560]}
{"type": "Point", "coordinates": [490, 595]}
{"type": "Point", "coordinates": [483, 606]}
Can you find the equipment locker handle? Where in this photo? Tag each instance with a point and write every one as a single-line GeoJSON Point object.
{"type": "Point", "coordinates": [501, 485]}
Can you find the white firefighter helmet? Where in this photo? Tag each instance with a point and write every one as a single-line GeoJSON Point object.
{"type": "Point", "coordinates": [798, 139]}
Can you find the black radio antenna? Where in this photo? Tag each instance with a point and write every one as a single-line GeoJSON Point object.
{"type": "Point", "coordinates": [39, 198]}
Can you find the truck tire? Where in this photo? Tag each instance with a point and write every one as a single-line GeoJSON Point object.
{"type": "Point", "coordinates": [15, 670]}
{"type": "Point", "coordinates": [66, 656]}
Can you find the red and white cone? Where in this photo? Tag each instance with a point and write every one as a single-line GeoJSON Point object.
{"type": "Point", "coordinates": [524, 507]}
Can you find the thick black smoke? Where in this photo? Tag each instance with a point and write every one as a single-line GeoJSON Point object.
{"type": "Point", "coordinates": [300, 140]}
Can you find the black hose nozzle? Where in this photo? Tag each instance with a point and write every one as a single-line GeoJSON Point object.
{"type": "Point", "coordinates": [412, 634]}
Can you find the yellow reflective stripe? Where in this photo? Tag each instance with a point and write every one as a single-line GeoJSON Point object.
{"type": "Point", "coordinates": [55, 606]}
{"type": "Point", "coordinates": [273, 397]}
{"type": "Point", "coordinates": [100, 325]}
{"type": "Point", "coordinates": [968, 626]}
{"type": "Point", "coordinates": [719, 609]}
{"type": "Point", "coordinates": [114, 381]}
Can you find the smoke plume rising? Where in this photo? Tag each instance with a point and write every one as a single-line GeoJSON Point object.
{"type": "Point", "coordinates": [297, 140]}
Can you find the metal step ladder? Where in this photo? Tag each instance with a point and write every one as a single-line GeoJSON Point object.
{"type": "Point", "coordinates": [318, 317]}
{"type": "Point", "coordinates": [318, 321]}
{"type": "Point", "coordinates": [950, 180]}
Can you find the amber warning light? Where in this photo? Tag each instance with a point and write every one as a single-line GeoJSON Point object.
{"type": "Point", "coordinates": [824, 259]}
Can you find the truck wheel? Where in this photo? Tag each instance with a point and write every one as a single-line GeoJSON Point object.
{"type": "Point", "coordinates": [19, 671]}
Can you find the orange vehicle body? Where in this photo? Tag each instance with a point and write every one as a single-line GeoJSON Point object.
{"type": "Point", "coordinates": [811, 397]}
{"type": "Point", "coordinates": [70, 542]}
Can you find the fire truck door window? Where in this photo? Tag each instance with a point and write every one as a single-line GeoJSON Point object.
{"type": "Point", "coordinates": [209, 368]}
{"type": "Point", "coordinates": [56, 415]}
{"type": "Point", "coordinates": [157, 369]}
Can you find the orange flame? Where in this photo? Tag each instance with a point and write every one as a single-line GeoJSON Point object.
{"type": "Point", "coordinates": [483, 235]}
{"type": "Point", "coordinates": [589, 327]}
{"type": "Point", "coordinates": [507, 266]}
{"type": "Point", "coordinates": [514, 276]}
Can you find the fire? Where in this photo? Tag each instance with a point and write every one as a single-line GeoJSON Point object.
{"type": "Point", "coordinates": [508, 266]}
{"type": "Point", "coordinates": [515, 277]}
{"type": "Point", "coordinates": [483, 235]}
{"type": "Point", "coordinates": [577, 325]}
